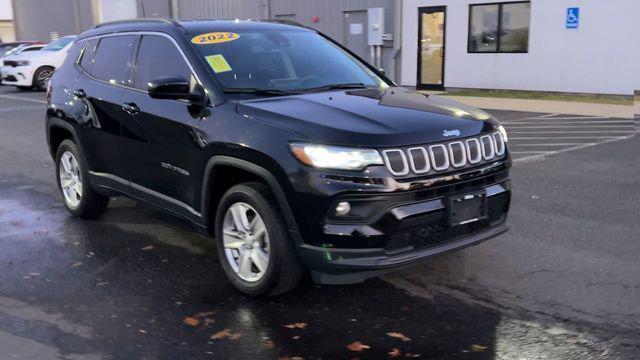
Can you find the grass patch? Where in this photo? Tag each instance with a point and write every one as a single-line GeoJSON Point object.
{"type": "Point", "coordinates": [540, 95]}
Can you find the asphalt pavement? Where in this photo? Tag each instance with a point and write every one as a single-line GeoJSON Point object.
{"type": "Point", "coordinates": [563, 283]}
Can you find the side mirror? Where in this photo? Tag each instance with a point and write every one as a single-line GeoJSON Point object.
{"type": "Point", "coordinates": [174, 88]}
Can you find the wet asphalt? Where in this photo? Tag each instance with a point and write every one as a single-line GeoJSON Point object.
{"type": "Point", "coordinates": [564, 283]}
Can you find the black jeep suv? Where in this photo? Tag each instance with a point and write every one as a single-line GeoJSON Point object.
{"type": "Point", "coordinates": [292, 152]}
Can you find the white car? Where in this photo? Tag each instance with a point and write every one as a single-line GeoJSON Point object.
{"type": "Point", "coordinates": [28, 70]}
{"type": "Point", "coordinates": [21, 48]}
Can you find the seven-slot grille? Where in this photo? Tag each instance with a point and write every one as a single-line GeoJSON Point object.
{"type": "Point", "coordinates": [446, 156]}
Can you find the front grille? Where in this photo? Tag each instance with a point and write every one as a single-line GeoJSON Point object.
{"type": "Point", "coordinates": [444, 157]}
{"type": "Point", "coordinates": [10, 63]}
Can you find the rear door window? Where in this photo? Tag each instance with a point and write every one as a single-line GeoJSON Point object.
{"type": "Point", "coordinates": [158, 57]}
{"type": "Point", "coordinates": [112, 59]}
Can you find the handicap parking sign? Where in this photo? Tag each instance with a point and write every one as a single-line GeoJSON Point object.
{"type": "Point", "coordinates": [573, 18]}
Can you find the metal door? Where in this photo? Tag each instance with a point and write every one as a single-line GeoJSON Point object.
{"type": "Point", "coordinates": [355, 33]}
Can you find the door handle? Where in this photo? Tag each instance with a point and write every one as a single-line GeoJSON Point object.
{"type": "Point", "coordinates": [131, 108]}
{"type": "Point", "coordinates": [79, 93]}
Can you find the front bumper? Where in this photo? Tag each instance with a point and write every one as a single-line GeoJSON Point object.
{"type": "Point", "coordinates": [401, 227]}
{"type": "Point", "coordinates": [17, 76]}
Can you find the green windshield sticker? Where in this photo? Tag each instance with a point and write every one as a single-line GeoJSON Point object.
{"type": "Point", "coordinates": [218, 63]}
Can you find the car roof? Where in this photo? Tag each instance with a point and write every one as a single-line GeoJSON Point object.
{"type": "Point", "coordinates": [191, 26]}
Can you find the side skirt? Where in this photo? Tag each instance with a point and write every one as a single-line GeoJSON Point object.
{"type": "Point", "coordinates": [110, 183]}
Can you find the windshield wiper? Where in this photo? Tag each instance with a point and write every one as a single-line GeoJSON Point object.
{"type": "Point", "coordinates": [257, 91]}
{"type": "Point", "coordinates": [337, 86]}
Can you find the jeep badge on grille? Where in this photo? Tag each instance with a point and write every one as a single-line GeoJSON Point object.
{"type": "Point", "coordinates": [455, 132]}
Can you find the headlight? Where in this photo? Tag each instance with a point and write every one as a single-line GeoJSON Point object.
{"type": "Point", "coordinates": [336, 157]}
{"type": "Point", "coordinates": [503, 132]}
{"type": "Point", "coordinates": [22, 63]}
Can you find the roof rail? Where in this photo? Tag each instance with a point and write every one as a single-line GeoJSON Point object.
{"type": "Point", "coordinates": [140, 20]}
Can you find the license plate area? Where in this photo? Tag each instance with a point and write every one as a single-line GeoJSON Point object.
{"type": "Point", "coordinates": [467, 208]}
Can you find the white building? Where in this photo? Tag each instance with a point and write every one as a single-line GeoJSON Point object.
{"type": "Point", "coordinates": [541, 45]}
{"type": "Point", "coordinates": [7, 33]}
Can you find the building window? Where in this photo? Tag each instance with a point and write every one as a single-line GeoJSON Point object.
{"type": "Point", "coordinates": [499, 28]}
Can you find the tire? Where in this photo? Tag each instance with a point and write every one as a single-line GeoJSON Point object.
{"type": "Point", "coordinates": [89, 204]}
{"type": "Point", "coordinates": [25, 88]}
{"type": "Point", "coordinates": [283, 270]}
{"type": "Point", "coordinates": [41, 77]}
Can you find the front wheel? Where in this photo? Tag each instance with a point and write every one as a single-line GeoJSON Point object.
{"type": "Point", "coordinates": [254, 246]}
{"type": "Point", "coordinates": [41, 78]}
{"type": "Point", "coordinates": [73, 181]}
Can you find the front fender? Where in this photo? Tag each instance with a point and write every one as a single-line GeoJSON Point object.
{"type": "Point", "coordinates": [259, 171]}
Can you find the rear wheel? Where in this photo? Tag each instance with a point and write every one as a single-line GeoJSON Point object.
{"type": "Point", "coordinates": [41, 77]}
{"type": "Point", "coordinates": [25, 88]}
{"type": "Point", "coordinates": [73, 182]}
{"type": "Point", "coordinates": [254, 246]}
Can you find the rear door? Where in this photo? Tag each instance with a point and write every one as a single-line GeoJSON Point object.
{"type": "Point", "coordinates": [158, 141]}
{"type": "Point", "coordinates": [106, 65]}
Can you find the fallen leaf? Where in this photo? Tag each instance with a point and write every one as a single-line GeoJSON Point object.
{"type": "Point", "coordinates": [357, 346]}
{"type": "Point", "coordinates": [398, 335]}
{"type": "Point", "coordinates": [478, 348]}
{"type": "Point", "coordinates": [191, 321]}
{"type": "Point", "coordinates": [204, 314]}
{"type": "Point", "coordinates": [147, 248]}
{"type": "Point", "coordinates": [226, 333]}
{"type": "Point", "coordinates": [142, 331]}
{"type": "Point", "coordinates": [394, 353]}
{"type": "Point", "coordinates": [410, 355]}
{"type": "Point", "coordinates": [77, 264]}
{"type": "Point", "coordinates": [296, 337]}
{"type": "Point", "coordinates": [298, 325]}
{"type": "Point", "coordinates": [221, 334]}
{"type": "Point", "coordinates": [270, 344]}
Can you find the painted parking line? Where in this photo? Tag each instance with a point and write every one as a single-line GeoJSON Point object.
{"type": "Point", "coordinates": [20, 98]}
{"type": "Point", "coordinates": [536, 137]}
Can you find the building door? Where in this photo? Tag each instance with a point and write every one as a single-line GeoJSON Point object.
{"type": "Point", "coordinates": [431, 47]}
{"type": "Point", "coordinates": [355, 33]}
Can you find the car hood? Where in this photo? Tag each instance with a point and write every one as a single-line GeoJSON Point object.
{"type": "Point", "coordinates": [370, 117]}
{"type": "Point", "coordinates": [33, 55]}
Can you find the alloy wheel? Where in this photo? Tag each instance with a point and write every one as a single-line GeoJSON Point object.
{"type": "Point", "coordinates": [246, 242]}
{"type": "Point", "coordinates": [70, 179]}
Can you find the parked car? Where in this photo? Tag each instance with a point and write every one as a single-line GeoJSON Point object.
{"type": "Point", "coordinates": [22, 48]}
{"type": "Point", "coordinates": [290, 151]}
{"type": "Point", "coordinates": [8, 46]}
{"type": "Point", "coordinates": [29, 70]}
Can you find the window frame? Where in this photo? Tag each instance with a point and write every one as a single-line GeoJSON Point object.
{"type": "Point", "coordinates": [499, 32]}
{"type": "Point", "coordinates": [134, 59]}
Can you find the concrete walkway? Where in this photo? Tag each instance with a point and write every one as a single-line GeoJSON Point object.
{"type": "Point", "coordinates": [546, 106]}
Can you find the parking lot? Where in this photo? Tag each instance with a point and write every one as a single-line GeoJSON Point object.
{"type": "Point", "coordinates": [563, 283]}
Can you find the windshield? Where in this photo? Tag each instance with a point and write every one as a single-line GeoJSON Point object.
{"type": "Point", "coordinates": [5, 49]}
{"type": "Point", "coordinates": [57, 45]}
{"type": "Point", "coordinates": [284, 60]}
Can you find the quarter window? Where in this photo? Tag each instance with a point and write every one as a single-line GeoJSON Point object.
{"type": "Point", "coordinates": [87, 55]}
{"type": "Point", "coordinates": [112, 60]}
{"type": "Point", "coordinates": [499, 28]}
{"type": "Point", "coordinates": [158, 57]}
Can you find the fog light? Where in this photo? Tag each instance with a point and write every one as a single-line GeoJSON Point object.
{"type": "Point", "coordinates": [343, 208]}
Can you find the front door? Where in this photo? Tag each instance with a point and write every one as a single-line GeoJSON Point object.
{"type": "Point", "coordinates": [431, 47]}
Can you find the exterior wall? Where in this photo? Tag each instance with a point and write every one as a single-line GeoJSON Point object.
{"type": "Point", "coordinates": [223, 9]}
{"type": "Point", "coordinates": [596, 58]}
{"type": "Point", "coordinates": [7, 33]}
{"type": "Point", "coordinates": [36, 19]}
